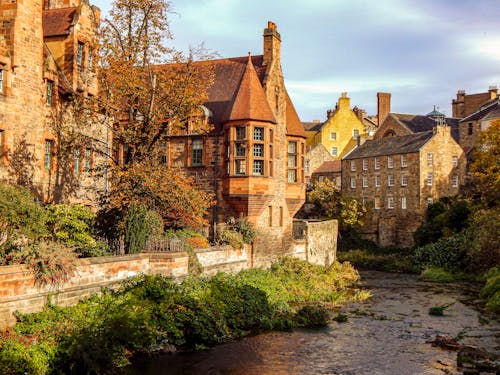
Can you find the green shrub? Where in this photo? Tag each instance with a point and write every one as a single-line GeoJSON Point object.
{"type": "Point", "coordinates": [232, 238]}
{"type": "Point", "coordinates": [25, 358]}
{"type": "Point", "coordinates": [491, 290]}
{"type": "Point", "coordinates": [447, 253]}
{"type": "Point", "coordinates": [439, 310]}
{"type": "Point", "coordinates": [246, 229]}
{"type": "Point", "coordinates": [437, 275]}
{"type": "Point", "coordinates": [137, 230]}
{"type": "Point", "coordinates": [390, 261]}
{"type": "Point", "coordinates": [312, 316]}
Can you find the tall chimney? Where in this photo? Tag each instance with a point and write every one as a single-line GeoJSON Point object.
{"type": "Point", "coordinates": [383, 106]}
{"type": "Point", "coordinates": [272, 43]}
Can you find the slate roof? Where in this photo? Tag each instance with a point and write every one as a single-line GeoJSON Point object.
{"type": "Point", "coordinates": [484, 111]}
{"type": "Point", "coordinates": [419, 123]}
{"type": "Point", "coordinates": [293, 125]}
{"type": "Point", "coordinates": [251, 102]}
{"type": "Point", "coordinates": [57, 22]}
{"type": "Point", "coordinates": [312, 126]}
{"type": "Point", "coordinates": [329, 167]}
{"type": "Point", "coordinates": [391, 145]}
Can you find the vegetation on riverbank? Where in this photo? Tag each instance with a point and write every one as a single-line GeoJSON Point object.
{"type": "Point", "coordinates": [148, 313]}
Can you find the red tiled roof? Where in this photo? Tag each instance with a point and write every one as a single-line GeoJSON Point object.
{"type": "Point", "coordinates": [293, 125]}
{"type": "Point", "coordinates": [329, 167]}
{"type": "Point", "coordinates": [57, 22]}
{"type": "Point", "coordinates": [251, 102]}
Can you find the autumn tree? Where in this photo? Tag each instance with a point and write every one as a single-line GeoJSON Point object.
{"type": "Point", "coordinates": [151, 92]}
{"type": "Point", "coordinates": [485, 168]}
{"type": "Point", "coordinates": [331, 204]}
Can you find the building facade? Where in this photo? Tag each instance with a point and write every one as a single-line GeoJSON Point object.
{"type": "Point", "coordinates": [466, 104]}
{"type": "Point", "coordinates": [47, 65]}
{"type": "Point", "coordinates": [397, 177]}
{"type": "Point", "coordinates": [253, 161]}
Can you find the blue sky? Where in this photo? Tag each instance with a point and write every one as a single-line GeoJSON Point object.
{"type": "Point", "coordinates": [420, 51]}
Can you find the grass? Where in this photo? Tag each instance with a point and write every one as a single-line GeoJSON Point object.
{"type": "Point", "coordinates": [437, 275]}
{"type": "Point", "coordinates": [388, 260]}
{"type": "Point", "coordinates": [439, 310]}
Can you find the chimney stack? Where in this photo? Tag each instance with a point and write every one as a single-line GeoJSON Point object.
{"type": "Point", "coordinates": [272, 43]}
{"type": "Point", "coordinates": [383, 106]}
{"type": "Point", "coordinates": [493, 90]}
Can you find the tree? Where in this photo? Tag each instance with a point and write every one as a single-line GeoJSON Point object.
{"type": "Point", "coordinates": [485, 168]}
{"type": "Point", "coordinates": [151, 92]}
{"type": "Point", "coordinates": [331, 204]}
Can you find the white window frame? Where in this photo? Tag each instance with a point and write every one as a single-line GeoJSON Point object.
{"type": "Point", "coordinates": [377, 163]}
{"type": "Point", "coordinates": [377, 180]}
{"type": "Point", "coordinates": [365, 164]}
{"type": "Point", "coordinates": [404, 161]}
{"type": "Point", "coordinates": [454, 161]}
{"type": "Point", "coordinates": [376, 203]}
{"type": "Point", "coordinates": [390, 162]}
{"type": "Point", "coordinates": [355, 134]}
{"type": "Point", "coordinates": [430, 178]}
{"type": "Point", "coordinates": [2, 78]}
{"type": "Point", "coordinates": [390, 203]}
{"type": "Point", "coordinates": [454, 180]}
{"type": "Point", "coordinates": [333, 136]}
{"type": "Point", "coordinates": [430, 159]}
{"type": "Point", "coordinates": [334, 151]}
{"type": "Point", "coordinates": [403, 203]}
{"type": "Point", "coordinates": [353, 183]}
{"type": "Point", "coordinates": [365, 181]}
{"type": "Point", "coordinates": [404, 179]}
{"type": "Point", "coordinates": [390, 180]}
{"type": "Point", "coordinates": [353, 165]}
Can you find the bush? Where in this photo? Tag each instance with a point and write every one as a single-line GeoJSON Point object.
{"type": "Point", "coordinates": [197, 242]}
{"type": "Point", "coordinates": [447, 253]}
{"type": "Point", "coordinates": [312, 316]}
{"type": "Point", "coordinates": [246, 229]}
{"type": "Point", "coordinates": [491, 291]}
{"type": "Point", "coordinates": [437, 275]}
{"type": "Point", "coordinates": [389, 261]}
{"type": "Point", "coordinates": [232, 238]}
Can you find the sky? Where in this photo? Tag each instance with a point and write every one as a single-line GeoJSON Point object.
{"type": "Point", "coordinates": [421, 52]}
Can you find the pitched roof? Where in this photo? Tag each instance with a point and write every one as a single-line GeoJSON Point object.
{"type": "Point", "coordinates": [250, 102]}
{"type": "Point", "coordinates": [419, 123]}
{"type": "Point", "coordinates": [57, 22]}
{"type": "Point", "coordinates": [483, 111]}
{"type": "Point", "coordinates": [293, 125]}
{"type": "Point", "coordinates": [329, 167]}
{"type": "Point", "coordinates": [391, 145]}
{"type": "Point", "coordinates": [312, 126]}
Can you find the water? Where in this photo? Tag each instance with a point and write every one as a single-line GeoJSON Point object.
{"type": "Point", "coordinates": [386, 335]}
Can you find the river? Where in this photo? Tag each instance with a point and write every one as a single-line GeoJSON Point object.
{"type": "Point", "coordinates": [388, 334]}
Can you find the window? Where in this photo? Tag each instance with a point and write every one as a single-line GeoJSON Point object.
{"type": "Point", "coordinates": [197, 152]}
{"type": "Point", "coordinates": [390, 162]}
{"type": "Point", "coordinates": [334, 151]}
{"type": "Point", "coordinates": [454, 161]}
{"type": "Point", "coordinates": [258, 167]}
{"type": "Point", "coordinates": [377, 180]}
{"type": "Point", "coordinates": [88, 157]}
{"type": "Point", "coordinates": [429, 179]}
{"type": "Point", "coordinates": [321, 178]}
{"type": "Point", "coordinates": [1, 79]}
{"type": "Point", "coordinates": [471, 128]}
{"type": "Point", "coordinates": [240, 149]}
{"type": "Point", "coordinates": [376, 203]}
{"type": "Point", "coordinates": [241, 133]}
{"type": "Point", "coordinates": [430, 200]}
{"type": "Point", "coordinates": [403, 203]}
{"type": "Point", "coordinates": [403, 161]}
{"type": "Point", "coordinates": [355, 133]}
{"type": "Point", "coordinates": [333, 136]}
{"type": "Point", "coordinates": [308, 162]}
{"type": "Point", "coordinates": [270, 210]}
{"type": "Point", "coordinates": [390, 203]}
{"type": "Point", "coordinates": [258, 134]}
{"type": "Point", "coordinates": [48, 96]}
{"type": "Point", "coordinates": [353, 183]}
{"type": "Point", "coordinates": [76, 161]}
{"type": "Point", "coordinates": [454, 180]}
{"type": "Point", "coordinates": [1, 142]}
{"type": "Point", "coordinates": [365, 181]}
{"type": "Point", "coordinates": [377, 163]}
{"type": "Point", "coordinates": [79, 54]}
{"type": "Point", "coordinates": [404, 179]}
{"type": "Point", "coordinates": [281, 216]}
{"type": "Point", "coordinates": [241, 167]}
{"type": "Point", "coordinates": [292, 161]}
{"type": "Point", "coordinates": [353, 165]}
{"type": "Point", "coordinates": [390, 180]}
{"type": "Point", "coordinates": [49, 144]}
{"type": "Point", "coordinates": [429, 159]}
{"type": "Point", "coordinates": [258, 150]}
{"type": "Point", "coordinates": [365, 164]}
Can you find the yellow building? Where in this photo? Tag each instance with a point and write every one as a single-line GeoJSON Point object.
{"type": "Point", "coordinates": [341, 131]}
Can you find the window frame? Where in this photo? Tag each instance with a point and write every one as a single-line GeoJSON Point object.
{"type": "Point", "coordinates": [336, 153]}
{"type": "Point", "coordinates": [404, 179]}
{"type": "Point", "coordinates": [2, 78]}
{"type": "Point", "coordinates": [390, 203]}
{"type": "Point", "coordinates": [79, 53]}
{"type": "Point", "coordinates": [355, 134]}
{"type": "Point", "coordinates": [49, 149]}
{"type": "Point", "coordinates": [49, 93]}
{"type": "Point", "coordinates": [403, 203]}
{"type": "Point", "coordinates": [333, 136]}
{"type": "Point", "coordinates": [430, 159]}
{"type": "Point", "coordinates": [197, 153]}
{"type": "Point", "coordinates": [353, 183]}
{"type": "Point", "coordinates": [454, 180]}
{"type": "Point", "coordinates": [390, 162]}
{"type": "Point", "coordinates": [365, 164]}
{"type": "Point", "coordinates": [353, 165]}
{"type": "Point", "coordinates": [376, 163]}
{"type": "Point", "coordinates": [404, 160]}
{"type": "Point", "coordinates": [390, 180]}
{"type": "Point", "coordinates": [430, 178]}
{"type": "Point", "coordinates": [292, 168]}
{"type": "Point", "coordinates": [365, 181]}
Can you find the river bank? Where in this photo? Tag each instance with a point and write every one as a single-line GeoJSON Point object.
{"type": "Point", "coordinates": [387, 334]}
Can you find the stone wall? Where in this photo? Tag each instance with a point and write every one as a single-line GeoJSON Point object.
{"type": "Point", "coordinates": [318, 244]}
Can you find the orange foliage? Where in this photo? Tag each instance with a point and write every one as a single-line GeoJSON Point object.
{"type": "Point", "coordinates": [197, 242]}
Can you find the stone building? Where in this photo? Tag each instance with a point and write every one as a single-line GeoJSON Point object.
{"type": "Point", "coordinates": [397, 177]}
{"type": "Point", "coordinates": [329, 170]}
{"type": "Point", "coordinates": [397, 124]}
{"type": "Point", "coordinates": [471, 126]}
{"type": "Point", "coordinates": [315, 157]}
{"type": "Point", "coordinates": [342, 130]}
{"type": "Point", "coordinates": [47, 64]}
{"type": "Point", "coordinates": [466, 104]}
{"type": "Point", "coordinates": [253, 160]}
